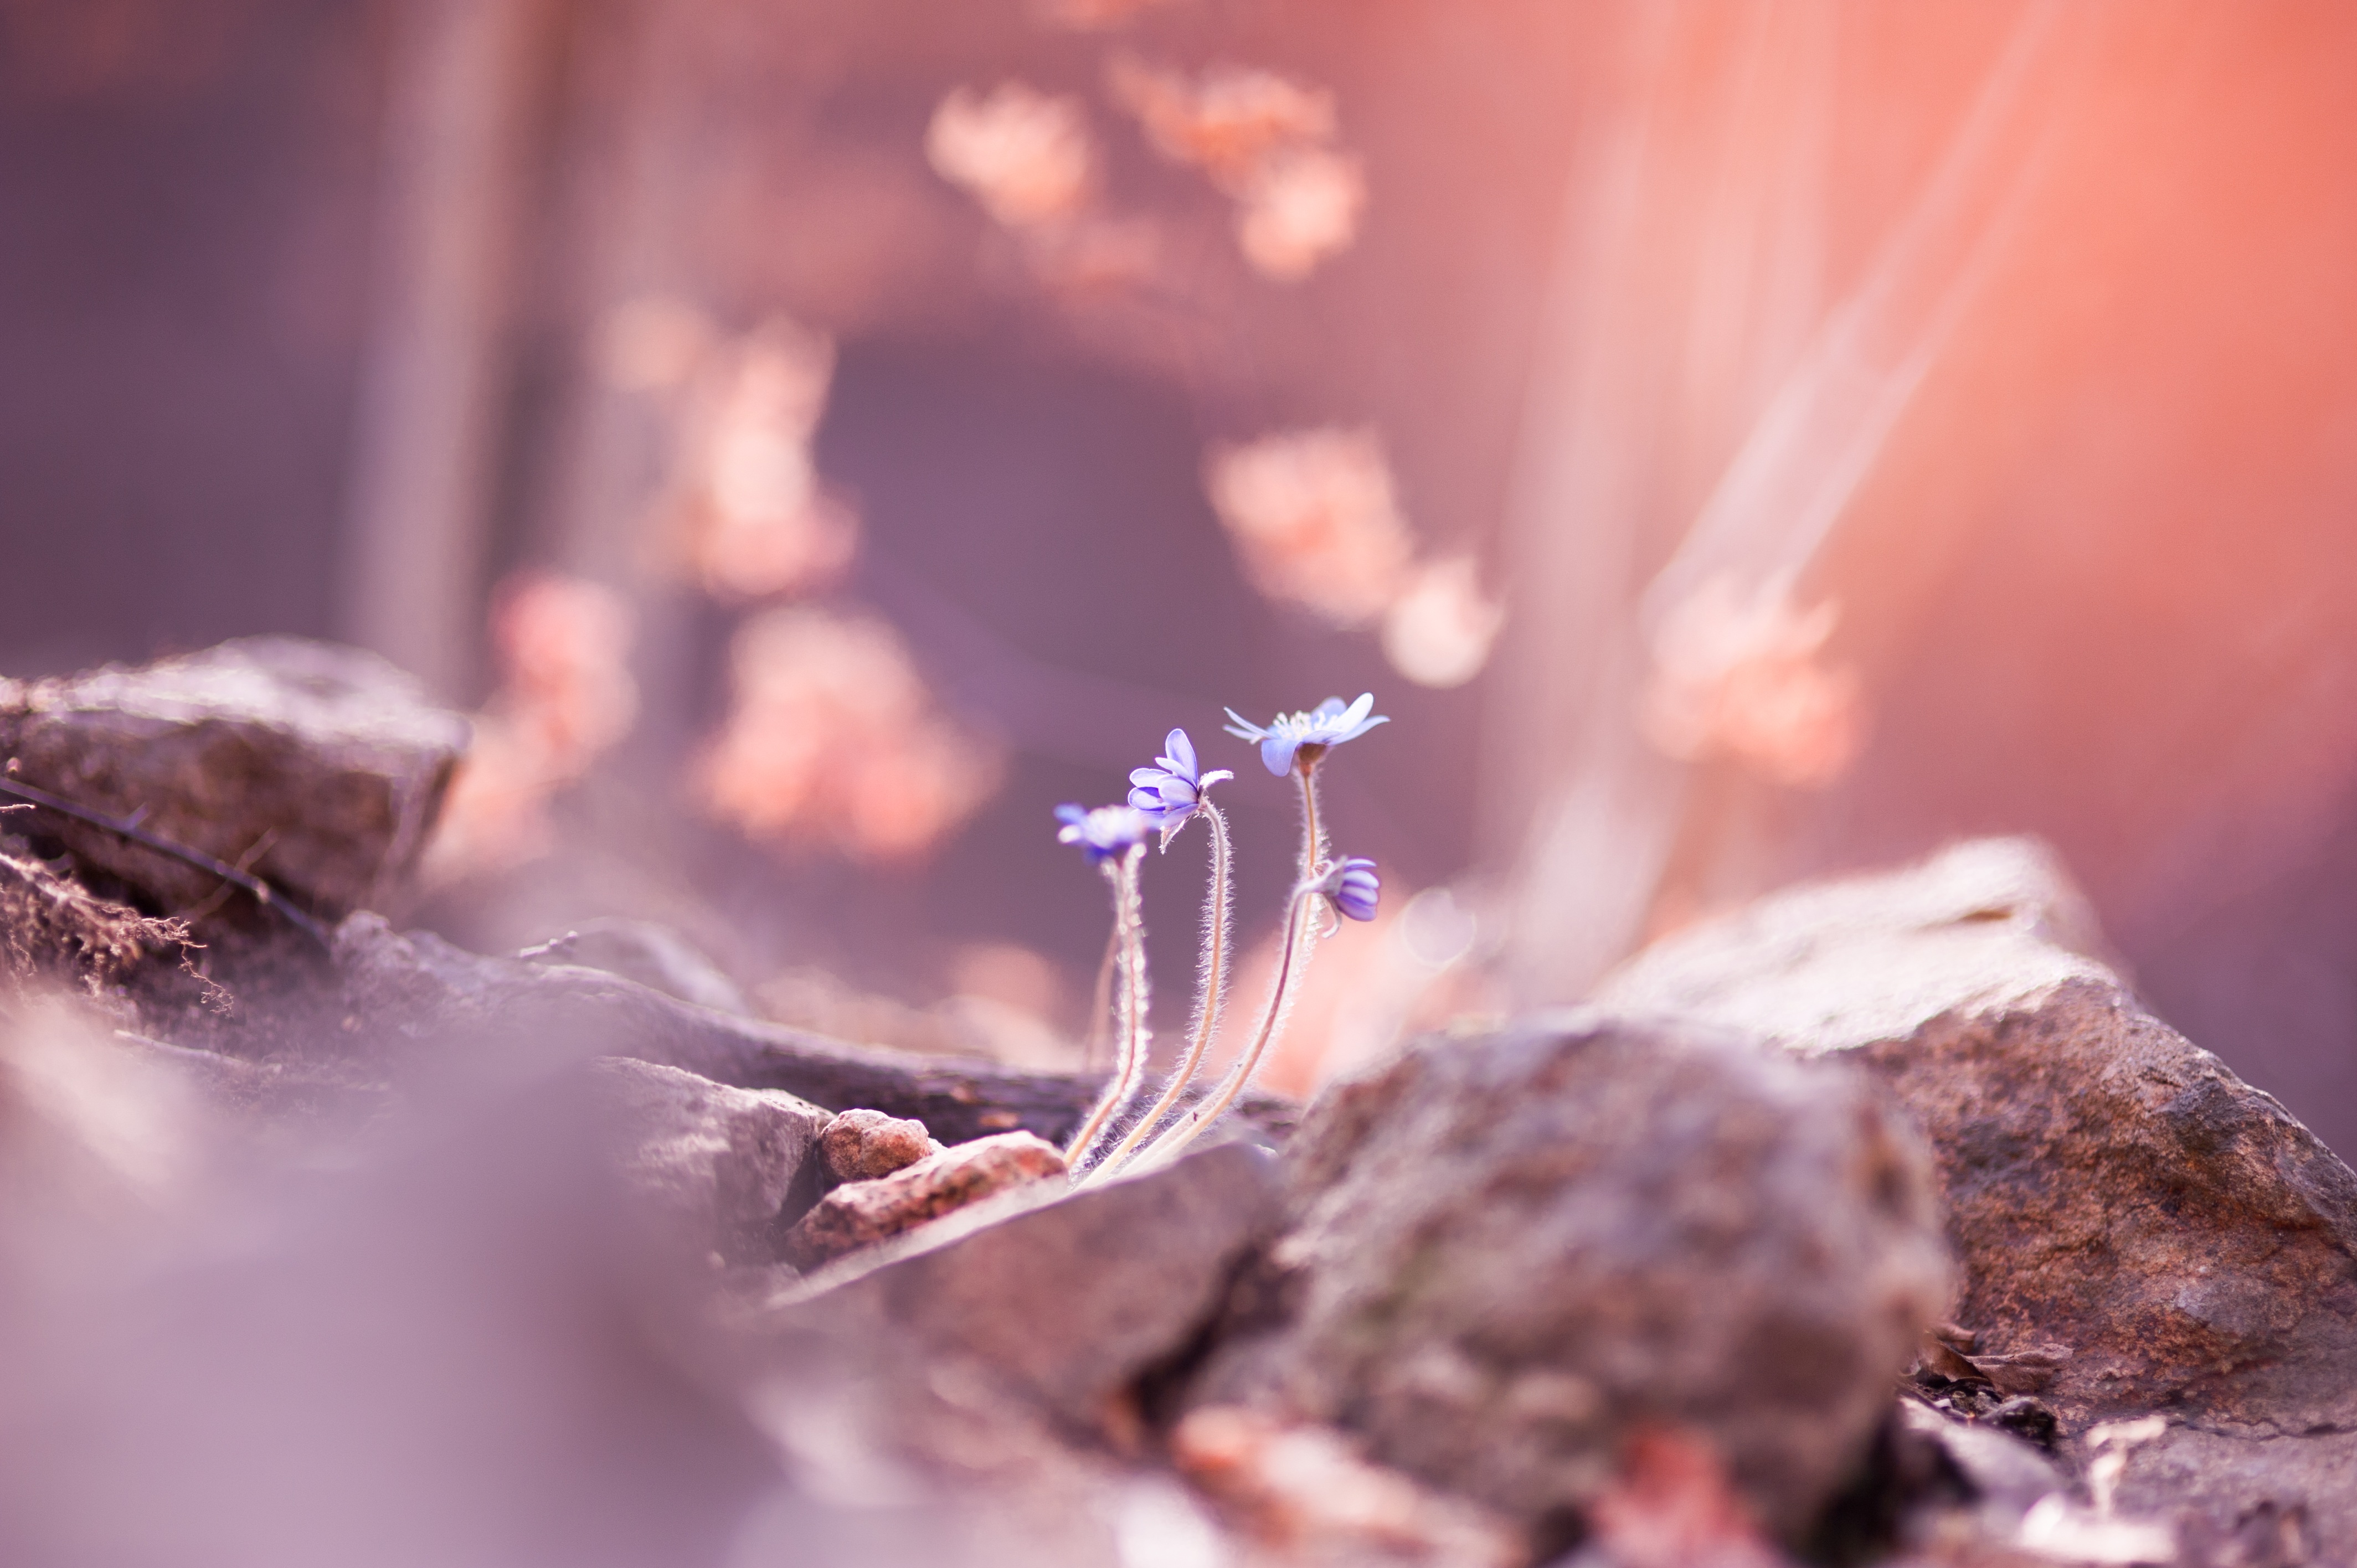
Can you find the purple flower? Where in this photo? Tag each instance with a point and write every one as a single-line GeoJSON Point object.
{"type": "Point", "coordinates": [1327, 725]}
{"type": "Point", "coordinates": [1169, 791]}
{"type": "Point", "coordinates": [1352, 886]}
{"type": "Point", "coordinates": [1104, 833]}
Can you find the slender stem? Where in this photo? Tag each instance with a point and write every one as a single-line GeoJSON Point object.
{"type": "Point", "coordinates": [1290, 962]}
{"type": "Point", "coordinates": [1130, 1072]}
{"type": "Point", "coordinates": [1211, 981]}
{"type": "Point", "coordinates": [1101, 1002]}
{"type": "Point", "coordinates": [1313, 836]}
{"type": "Point", "coordinates": [1103, 1106]}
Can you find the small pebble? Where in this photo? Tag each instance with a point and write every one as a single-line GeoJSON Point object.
{"type": "Point", "coordinates": [859, 1213]}
{"type": "Point", "coordinates": [861, 1145]}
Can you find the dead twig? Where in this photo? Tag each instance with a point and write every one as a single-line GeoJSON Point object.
{"type": "Point", "coordinates": [129, 828]}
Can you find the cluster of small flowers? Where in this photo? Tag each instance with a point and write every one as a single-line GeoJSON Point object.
{"type": "Point", "coordinates": [1163, 799]}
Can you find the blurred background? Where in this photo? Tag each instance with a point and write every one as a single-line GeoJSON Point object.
{"type": "Point", "coordinates": [1736, 440]}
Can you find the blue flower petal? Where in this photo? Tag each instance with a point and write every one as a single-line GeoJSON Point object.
{"type": "Point", "coordinates": [1241, 727]}
{"type": "Point", "coordinates": [1357, 889]}
{"type": "Point", "coordinates": [1105, 831]}
{"type": "Point", "coordinates": [1179, 754]}
{"type": "Point", "coordinates": [1276, 753]}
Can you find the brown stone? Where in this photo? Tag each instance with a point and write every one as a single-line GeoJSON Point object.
{"type": "Point", "coordinates": [2112, 1187]}
{"type": "Point", "coordinates": [861, 1145]}
{"type": "Point", "coordinates": [2113, 1191]}
{"type": "Point", "coordinates": [860, 1213]}
{"type": "Point", "coordinates": [320, 769]}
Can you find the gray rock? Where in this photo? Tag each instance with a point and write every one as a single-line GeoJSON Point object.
{"type": "Point", "coordinates": [324, 763]}
{"type": "Point", "coordinates": [2240, 1502]}
{"type": "Point", "coordinates": [655, 955]}
{"type": "Point", "coordinates": [2112, 1189]}
{"type": "Point", "coordinates": [1053, 1301]}
{"type": "Point", "coordinates": [401, 991]}
{"type": "Point", "coordinates": [1509, 1253]}
{"type": "Point", "coordinates": [716, 1165]}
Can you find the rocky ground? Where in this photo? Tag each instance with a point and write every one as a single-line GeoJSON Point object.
{"type": "Point", "coordinates": [1878, 1224]}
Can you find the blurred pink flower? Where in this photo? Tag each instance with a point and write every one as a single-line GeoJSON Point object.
{"type": "Point", "coordinates": [1027, 156]}
{"type": "Point", "coordinates": [1439, 631]}
{"type": "Point", "coordinates": [835, 739]}
{"type": "Point", "coordinates": [563, 646]}
{"type": "Point", "coordinates": [1228, 122]}
{"type": "Point", "coordinates": [1262, 139]}
{"type": "Point", "coordinates": [1741, 676]}
{"type": "Point", "coordinates": [1301, 207]}
{"type": "Point", "coordinates": [750, 511]}
{"type": "Point", "coordinates": [1315, 519]}
{"type": "Point", "coordinates": [565, 696]}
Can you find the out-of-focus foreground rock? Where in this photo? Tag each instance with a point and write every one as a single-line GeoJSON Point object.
{"type": "Point", "coordinates": [2139, 1231]}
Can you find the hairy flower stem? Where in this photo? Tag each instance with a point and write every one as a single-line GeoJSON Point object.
{"type": "Point", "coordinates": [1210, 980]}
{"type": "Point", "coordinates": [1313, 834]}
{"type": "Point", "coordinates": [1129, 1072]}
{"type": "Point", "coordinates": [1100, 1002]}
{"type": "Point", "coordinates": [1292, 962]}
